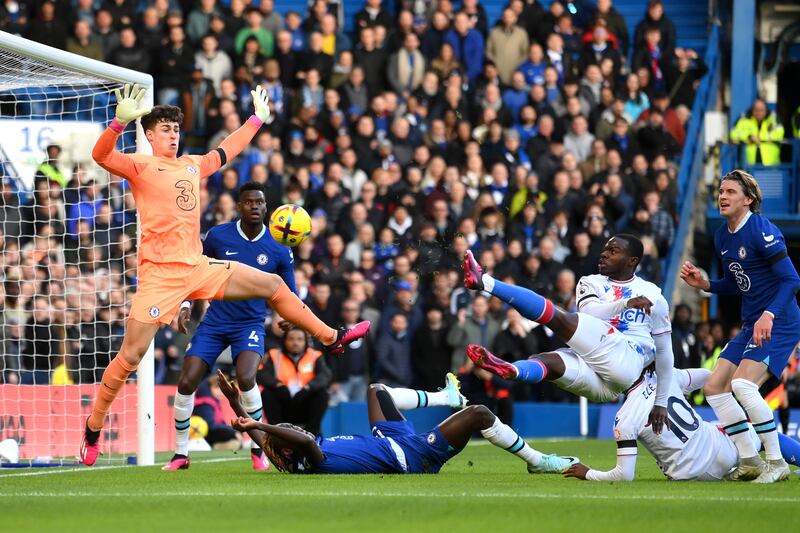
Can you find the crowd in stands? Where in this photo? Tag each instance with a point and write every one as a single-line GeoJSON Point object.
{"type": "Point", "coordinates": [427, 131]}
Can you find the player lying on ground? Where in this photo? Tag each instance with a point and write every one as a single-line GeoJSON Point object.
{"type": "Point", "coordinates": [394, 446]}
{"type": "Point", "coordinates": [172, 267]}
{"type": "Point", "coordinates": [238, 325]}
{"type": "Point", "coordinates": [690, 449]}
{"type": "Point", "coordinates": [622, 327]}
{"type": "Point", "coordinates": [757, 267]}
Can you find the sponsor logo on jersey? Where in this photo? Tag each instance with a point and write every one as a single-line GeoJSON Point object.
{"type": "Point", "coordinates": [154, 312]}
{"type": "Point", "coordinates": [724, 252]}
{"type": "Point", "coordinates": [742, 252]}
{"type": "Point", "coordinates": [228, 252]}
{"type": "Point", "coordinates": [742, 280]}
{"type": "Point", "coordinates": [262, 259]}
{"type": "Point", "coordinates": [768, 238]}
{"type": "Point", "coordinates": [621, 292]}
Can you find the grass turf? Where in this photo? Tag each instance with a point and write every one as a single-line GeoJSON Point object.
{"type": "Point", "coordinates": [482, 489]}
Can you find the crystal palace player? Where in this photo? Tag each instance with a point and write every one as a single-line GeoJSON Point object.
{"type": "Point", "coordinates": [756, 266]}
{"type": "Point", "coordinates": [394, 446]}
{"type": "Point", "coordinates": [622, 327]}
{"type": "Point", "coordinates": [239, 325]}
{"type": "Point", "coordinates": [691, 450]}
{"type": "Point", "coordinates": [172, 267]}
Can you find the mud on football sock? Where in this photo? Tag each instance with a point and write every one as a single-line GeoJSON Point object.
{"type": "Point", "coordinates": [114, 377]}
{"type": "Point", "coordinates": [734, 421]}
{"type": "Point", "coordinates": [506, 438]}
{"type": "Point", "coordinates": [292, 308]}
{"type": "Point", "coordinates": [530, 370]}
{"type": "Point", "coordinates": [184, 405]}
{"type": "Point", "coordinates": [530, 304]}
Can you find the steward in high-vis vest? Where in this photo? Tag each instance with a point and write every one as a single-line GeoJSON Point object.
{"type": "Point", "coordinates": [294, 383]}
{"type": "Point", "coordinates": [762, 134]}
{"type": "Point", "coordinates": [48, 169]}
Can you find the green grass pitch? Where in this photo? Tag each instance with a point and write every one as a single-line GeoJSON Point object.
{"type": "Point", "coordinates": [482, 489]}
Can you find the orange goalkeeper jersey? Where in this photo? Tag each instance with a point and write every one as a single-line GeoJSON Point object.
{"type": "Point", "coordinates": [167, 193]}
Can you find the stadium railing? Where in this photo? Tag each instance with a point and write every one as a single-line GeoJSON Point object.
{"type": "Point", "coordinates": [691, 162]}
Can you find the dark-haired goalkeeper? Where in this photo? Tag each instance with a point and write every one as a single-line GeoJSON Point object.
{"type": "Point", "coordinates": [172, 267]}
{"type": "Point", "coordinates": [235, 324]}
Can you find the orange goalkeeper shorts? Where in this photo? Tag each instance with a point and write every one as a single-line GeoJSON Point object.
{"type": "Point", "coordinates": [164, 286]}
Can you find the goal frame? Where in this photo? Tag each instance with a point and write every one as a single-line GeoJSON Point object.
{"type": "Point", "coordinates": [145, 372]}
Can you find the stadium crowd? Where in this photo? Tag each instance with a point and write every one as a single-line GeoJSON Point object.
{"type": "Point", "coordinates": [423, 133]}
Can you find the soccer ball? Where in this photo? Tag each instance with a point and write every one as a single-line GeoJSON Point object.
{"type": "Point", "coordinates": [290, 225]}
{"type": "Point", "coordinates": [198, 427]}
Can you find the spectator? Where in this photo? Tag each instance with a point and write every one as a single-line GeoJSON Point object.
{"type": "Point", "coordinates": [271, 21]}
{"type": "Point", "coordinates": [468, 45]}
{"type": "Point", "coordinates": [47, 28]}
{"type": "Point", "coordinates": [507, 45]}
{"type": "Point", "coordinates": [199, 19]}
{"type": "Point", "coordinates": [372, 62]}
{"type": "Point", "coordinates": [661, 222]}
{"type": "Point", "coordinates": [393, 357]}
{"type": "Point", "coordinates": [173, 66]}
{"type": "Point", "coordinates": [656, 18]}
{"type": "Point", "coordinates": [406, 67]}
{"type": "Point", "coordinates": [615, 24]}
{"type": "Point", "coordinates": [683, 75]}
{"type": "Point", "coordinates": [761, 133]}
{"type": "Point", "coordinates": [372, 15]}
{"type": "Point", "coordinates": [129, 54]}
{"type": "Point", "coordinates": [83, 43]}
{"type": "Point", "coordinates": [349, 383]}
{"type": "Point", "coordinates": [476, 327]}
{"type": "Point", "coordinates": [216, 64]}
{"type": "Point", "coordinates": [295, 381]}
{"type": "Point", "coordinates": [579, 141]}
{"type": "Point", "coordinates": [431, 354]}
{"type": "Point", "coordinates": [265, 39]}
{"type": "Point", "coordinates": [104, 33]}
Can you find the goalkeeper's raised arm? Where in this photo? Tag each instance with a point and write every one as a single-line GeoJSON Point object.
{"type": "Point", "coordinates": [161, 125]}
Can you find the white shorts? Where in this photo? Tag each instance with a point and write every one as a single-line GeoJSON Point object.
{"type": "Point", "coordinates": [602, 365]}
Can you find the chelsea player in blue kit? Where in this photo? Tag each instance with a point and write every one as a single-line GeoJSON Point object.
{"type": "Point", "coordinates": [756, 266]}
{"type": "Point", "coordinates": [238, 324]}
{"type": "Point", "coordinates": [394, 446]}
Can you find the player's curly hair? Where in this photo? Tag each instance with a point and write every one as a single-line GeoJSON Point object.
{"type": "Point", "coordinates": [162, 113]}
{"type": "Point", "coordinates": [749, 187]}
{"type": "Point", "coordinates": [275, 457]}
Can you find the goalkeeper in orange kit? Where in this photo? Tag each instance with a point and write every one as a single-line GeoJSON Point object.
{"type": "Point", "coordinates": [172, 267]}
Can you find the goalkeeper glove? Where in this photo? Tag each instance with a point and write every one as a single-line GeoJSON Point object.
{"type": "Point", "coordinates": [128, 102]}
{"type": "Point", "coordinates": [261, 104]}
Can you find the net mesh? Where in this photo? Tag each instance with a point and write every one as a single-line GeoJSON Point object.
{"type": "Point", "coordinates": [67, 253]}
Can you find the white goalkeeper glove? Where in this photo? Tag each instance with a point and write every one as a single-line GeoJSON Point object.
{"type": "Point", "coordinates": [261, 104]}
{"type": "Point", "coordinates": [128, 103]}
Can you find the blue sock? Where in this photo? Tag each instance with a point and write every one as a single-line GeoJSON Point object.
{"type": "Point", "coordinates": [790, 449]}
{"type": "Point", "coordinates": [530, 305]}
{"type": "Point", "coordinates": [531, 370]}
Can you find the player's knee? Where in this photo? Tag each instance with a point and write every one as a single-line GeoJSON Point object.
{"type": "Point", "coordinates": [713, 387]}
{"type": "Point", "coordinates": [186, 385]}
{"type": "Point", "coordinates": [246, 381]}
{"type": "Point", "coordinates": [481, 416]}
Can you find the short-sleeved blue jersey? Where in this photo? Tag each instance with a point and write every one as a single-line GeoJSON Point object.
{"type": "Point", "coordinates": [747, 258]}
{"type": "Point", "coordinates": [355, 454]}
{"type": "Point", "coordinates": [228, 241]}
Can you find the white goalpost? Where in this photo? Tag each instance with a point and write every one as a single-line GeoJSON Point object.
{"type": "Point", "coordinates": [67, 257]}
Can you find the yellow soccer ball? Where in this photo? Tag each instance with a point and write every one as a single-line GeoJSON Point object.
{"type": "Point", "coordinates": [290, 225]}
{"type": "Point", "coordinates": [198, 428]}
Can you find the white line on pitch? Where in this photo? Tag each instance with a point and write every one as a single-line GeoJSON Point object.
{"type": "Point", "coordinates": [57, 470]}
{"type": "Point", "coordinates": [306, 494]}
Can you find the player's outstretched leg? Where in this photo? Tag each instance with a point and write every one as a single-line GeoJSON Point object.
{"type": "Point", "coordinates": [134, 345]}
{"type": "Point", "coordinates": [538, 368]}
{"type": "Point", "coordinates": [449, 396]}
{"type": "Point", "coordinates": [459, 428]}
{"type": "Point", "coordinates": [247, 282]}
{"type": "Point", "coordinates": [192, 371]}
{"type": "Point", "coordinates": [246, 368]}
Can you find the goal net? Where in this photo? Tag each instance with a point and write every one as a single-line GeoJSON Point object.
{"type": "Point", "coordinates": [67, 257]}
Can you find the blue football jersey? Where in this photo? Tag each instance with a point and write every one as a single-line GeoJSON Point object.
{"type": "Point", "coordinates": [354, 454]}
{"type": "Point", "coordinates": [747, 258]}
{"type": "Point", "coordinates": [228, 241]}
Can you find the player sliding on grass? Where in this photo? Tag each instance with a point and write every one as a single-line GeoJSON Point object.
{"type": "Point", "coordinates": [622, 327]}
{"type": "Point", "coordinates": [172, 266]}
{"type": "Point", "coordinates": [238, 325]}
{"type": "Point", "coordinates": [754, 257]}
{"type": "Point", "coordinates": [394, 446]}
{"type": "Point", "coordinates": [691, 450]}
